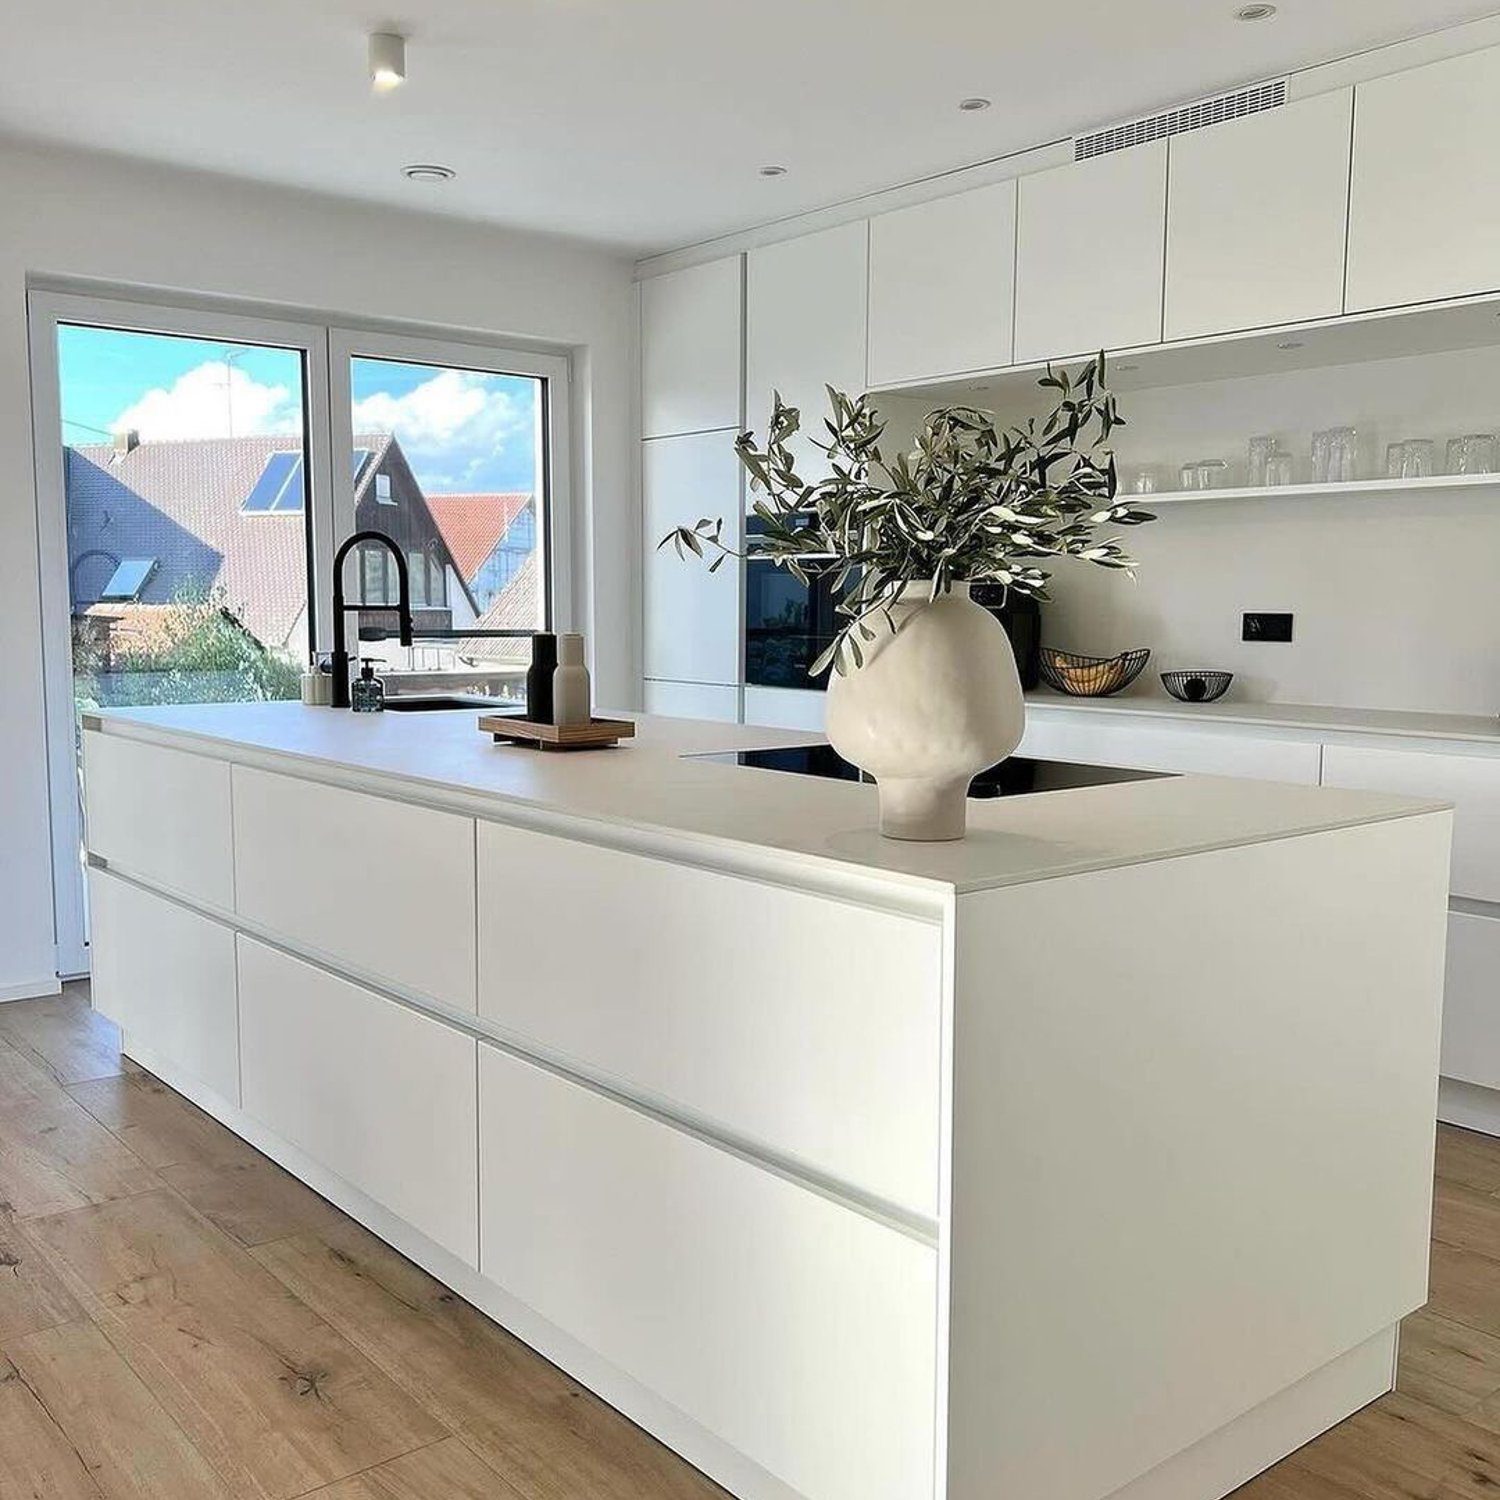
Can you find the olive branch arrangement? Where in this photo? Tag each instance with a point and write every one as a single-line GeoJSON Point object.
{"type": "Point", "coordinates": [971, 502]}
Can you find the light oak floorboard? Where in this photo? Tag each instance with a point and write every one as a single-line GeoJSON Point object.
{"type": "Point", "coordinates": [36, 1461]}
{"type": "Point", "coordinates": [541, 1431]}
{"type": "Point", "coordinates": [447, 1470]}
{"type": "Point", "coordinates": [161, 1127]}
{"type": "Point", "coordinates": [1468, 1158]}
{"type": "Point", "coordinates": [128, 1444]}
{"type": "Point", "coordinates": [54, 1155]}
{"type": "Point", "coordinates": [63, 1035]}
{"type": "Point", "coordinates": [1466, 1218]}
{"type": "Point", "coordinates": [252, 1201]}
{"type": "Point", "coordinates": [275, 1399]}
{"type": "Point", "coordinates": [32, 1294]}
{"type": "Point", "coordinates": [1445, 1364]}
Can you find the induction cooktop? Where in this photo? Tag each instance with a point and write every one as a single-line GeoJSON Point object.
{"type": "Point", "coordinates": [1015, 777]}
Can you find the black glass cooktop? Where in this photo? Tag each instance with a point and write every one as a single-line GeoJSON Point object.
{"type": "Point", "coordinates": [1011, 778]}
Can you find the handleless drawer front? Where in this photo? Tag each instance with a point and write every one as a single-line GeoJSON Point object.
{"type": "Point", "coordinates": [1470, 782]}
{"type": "Point", "coordinates": [382, 886]}
{"type": "Point", "coordinates": [165, 976]}
{"type": "Point", "coordinates": [793, 1022]}
{"type": "Point", "coordinates": [377, 1093]}
{"type": "Point", "coordinates": [160, 814]}
{"type": "Point", "coordinates": [800, 1332]}
{"type": "Point", "coordinates": [1144, 746]}
{"type": "Point", "coordinates": [1471, 1000]}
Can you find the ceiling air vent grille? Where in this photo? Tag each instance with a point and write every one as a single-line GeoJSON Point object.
{"type": "Point", "coordinates": [1174, 121]}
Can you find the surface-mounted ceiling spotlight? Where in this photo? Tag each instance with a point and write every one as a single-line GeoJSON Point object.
{"type": "Point", "coordinates": [773, 171]}
{"type": "Point", "coordinates": [428, 171]}
{"type": "Point", "coordinates": [1255, 13]}
{"type": "Point", "coordinates": [387, 60]}
{"type": "Point", "coordinates": [1292, 344]}
{"type": "Point", "coordinates": [974, 105]}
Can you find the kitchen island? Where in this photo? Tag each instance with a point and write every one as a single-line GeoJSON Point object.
{"type": "Point", "coordinates": [1088, 1157]}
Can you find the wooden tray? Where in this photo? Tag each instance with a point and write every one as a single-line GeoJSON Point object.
{"type": "Point", "coordinates": [590, 736]}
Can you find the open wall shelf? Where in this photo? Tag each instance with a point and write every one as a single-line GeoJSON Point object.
{"type": "Point", "coordinates": [1436, 484]}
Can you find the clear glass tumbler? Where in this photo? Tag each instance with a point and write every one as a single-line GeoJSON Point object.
{"type": "Point", "coordinates": [1395, 460]}
{"type": "Point", "coordinates": [1187, 477]}
{"type": "Point", "coordinates": [1322, 456]}
{"type": "Point", "coordinates": [1278, 469]}
{"type": "Point", "coordinates": [1261, 449]}
{"type": "Point", "coordinates": [1480, 453]}
{"type": "Point", "coordinates": [1418, 458]}
{"type": "Point", "coordinates": [1343, 455]}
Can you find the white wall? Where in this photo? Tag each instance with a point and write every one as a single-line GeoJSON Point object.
{"type": "Point", "coordinates": [77, 215]}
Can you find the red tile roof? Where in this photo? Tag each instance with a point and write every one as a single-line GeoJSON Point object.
{"type": "Point", "coordinates": [472, 525]}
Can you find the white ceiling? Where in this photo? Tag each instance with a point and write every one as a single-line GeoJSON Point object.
{"type": "Point", "coordinates": [638, 122]}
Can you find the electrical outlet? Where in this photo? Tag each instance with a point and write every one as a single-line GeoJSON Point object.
{"type": "Point", "coordinates": [1259, 626]}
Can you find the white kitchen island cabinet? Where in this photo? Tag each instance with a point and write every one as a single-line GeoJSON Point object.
{"type": "Point", "coordinates": [1089, 1157]}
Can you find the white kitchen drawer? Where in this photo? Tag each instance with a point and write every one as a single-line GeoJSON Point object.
{"type": "Point", "coordinates": [786, 708]}
{"type": "Point", "coordinates": [383, 886]}
{"type": "Point", "coordinates": [1470, 782]}
{"type": "Point", "coordinates": [800, 1024]}
{"type": "Point", "coordinates": [693, 700]}
{"type": "Point", "coordinates": [165, 976]}
{"type": "Point", "coordinates": [379, 1094]}
{"type": "Point", "coordinates": [160, 814]}
{"type": "Point", "coordinates": [800, 1332]}
{"type": "Point", "coordinates": [1103, 739]}
{"type": "Point", "coordinates": [1471, 1000]}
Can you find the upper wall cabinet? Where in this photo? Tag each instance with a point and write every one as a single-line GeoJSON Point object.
{"type": "Point", "coordinates": [1256, 219]}
{"type": "Point", "coordinates": [690, 349]}
{"type": "Point", "coordinates": [1089, 255]}
{"type": "Point", "coordinates": [1424, 217]}
{"type": "Point", "coordinates": [805, 326]}
{"type": "Point", "coordinates": [942, 286]}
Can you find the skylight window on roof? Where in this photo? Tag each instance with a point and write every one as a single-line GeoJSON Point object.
{"type": "Point", "coordinates": [279, 487]}
{"type": "Point", "coordinates": [362, 456]}
{"type": "Point", "coordinates": [127, 580]}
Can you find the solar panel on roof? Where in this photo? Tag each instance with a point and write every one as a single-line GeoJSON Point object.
{"type": "Point", "coordinates": [361, 457]}
{"type": "Point", "coordinates": [279, 487]}
{"type": "Point", "coordinates": [127, 580]}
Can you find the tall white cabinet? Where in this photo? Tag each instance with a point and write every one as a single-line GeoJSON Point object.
{"type": "Point", "coordinates": [1424, 218]}
{"type": "Point", "coordinates": [1256, 219]}
{"type": "Point", "coordinates": [692, 353]}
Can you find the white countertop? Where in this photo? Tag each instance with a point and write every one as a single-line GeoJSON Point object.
{"type": "Point", "coordinates": [805, 829]}
{"type": "Point", "coordinates": [1320, 719]}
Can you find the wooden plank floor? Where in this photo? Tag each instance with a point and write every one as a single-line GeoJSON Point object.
{"type": "Point", "coordinates": [180, 1318]}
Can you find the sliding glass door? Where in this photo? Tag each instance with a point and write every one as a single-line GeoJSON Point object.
{"type": "Point", "coordinates": [195, 471]}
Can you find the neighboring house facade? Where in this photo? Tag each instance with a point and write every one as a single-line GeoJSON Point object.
{"type": "Point", "coordinates": [151, 524]}
{"type": "Point", "coordinates": [493, 537]}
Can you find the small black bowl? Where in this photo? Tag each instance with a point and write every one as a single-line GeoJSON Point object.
{"type": "Point", "coordinates": [1196, 687]}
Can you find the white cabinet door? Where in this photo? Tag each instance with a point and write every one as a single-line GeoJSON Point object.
{"type": "Point", "coordinates": [380, 1095]}
{"type": "Point", "coordinates": [691, 324]}
{"type": "Point", "coordinates": [786, 708]}
{"type": "Point", "coordinates": [1424, 219]}
{"type": "Point", "coordinates": [1089, 261]}
{"type": "Point", "coordinates": [1256, 219]}
{"type": "Point", "coordinates": [160, 814]}
{"type": "Point", "coordinates": [165, 976]}
{"type": "Point", "coordinates": [1146, 745]}
{"type": "Point", "coordinates": [1470, 782]}
{"type": "Point", "coordinates": [692, 615]}
{"type": "Point", "coordinates": [384, 887]}
{"type": "Point", "coordinates": [794, 1024]}
{"type": "Point", "coordinates": [693, 700]}
{"type": "Point", "coordinates": [942, 286]}
{"type": "Point", "coordinates": [800, 1332]}
{"type": "Point", "coordinates": [805, 327]}
{"type": "Point", "coordinates": [1471, 1000]}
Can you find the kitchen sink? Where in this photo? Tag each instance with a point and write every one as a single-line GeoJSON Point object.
{"type": "Point", "coordinates": [427, 703]}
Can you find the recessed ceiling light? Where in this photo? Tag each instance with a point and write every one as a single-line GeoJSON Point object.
{"type": "Point", "coordinates": [387, 60]}
{"type": "Point", "coordinates": [1255, 13]}
{"type": "Point", "coordinates": [1292, 344]}
{"type": "Point", "coordinates": [428, 171]}
{"type": "Point", "coordinates": [972, 106]}
{"type": "Point", "coordinates": [773, 171]}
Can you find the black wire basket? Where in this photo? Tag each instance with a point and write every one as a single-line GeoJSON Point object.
{"type": "Point", "coordinates": [1196, 687]}
{"type": "Point", "coordinates": [1091, 676]}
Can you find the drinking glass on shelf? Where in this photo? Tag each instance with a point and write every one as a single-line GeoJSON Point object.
{"type": "Point", "coordinates": [1343, 455]}
{"type": "Point", "coordinates": [1457, 457]}
{"type": "Point", "coordinates": [1187, 477]}
{"type": "Point", "coordinates": [1395, 460]}
{"type": "Point", "coordinates": [1213, 474]}
{"type": "Point", "coordinates": [1261, 449]}
{"type": "Point", "coordinates": [1417, 459]}
{"type": "Point", "coordinates": [1144, 483]}
{"type": "Point", "coordinates": [1479, 453]}
{"type": "Point", "coordinates": [1322, 456]}
{"type": "Point", "coordinates": [1278, 469]}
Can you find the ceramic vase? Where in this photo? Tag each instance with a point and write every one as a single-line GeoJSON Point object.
{"type": "Point", "coordinates": [935, 702]}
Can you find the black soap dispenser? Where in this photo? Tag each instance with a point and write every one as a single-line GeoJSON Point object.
{"type": "Point", "coordinates": [539, 677]}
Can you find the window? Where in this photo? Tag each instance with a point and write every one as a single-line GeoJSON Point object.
{"type": "Point", "coordinates": [279, 487]}
{"type": "Point", "coordinates": [127, 581]}
{"type": "Point", "coordinates": [383, 494]}
{"type": "Point", "coordinates": [377, 583]}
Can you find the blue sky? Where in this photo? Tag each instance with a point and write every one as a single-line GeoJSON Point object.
{"type": "Point", "coordinates": [461, 430]}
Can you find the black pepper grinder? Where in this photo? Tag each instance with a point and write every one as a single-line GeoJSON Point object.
{"type": "Point", "coordinates": [539, 677]}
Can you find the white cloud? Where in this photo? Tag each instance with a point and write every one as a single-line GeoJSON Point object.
{"type": "Point", "coordinates": [459, 430]}
{"type": "Point", "coordinates": [212, 400]}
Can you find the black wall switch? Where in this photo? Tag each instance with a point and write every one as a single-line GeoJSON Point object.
{"type": "Point", "coordinates": [1265, 627]}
